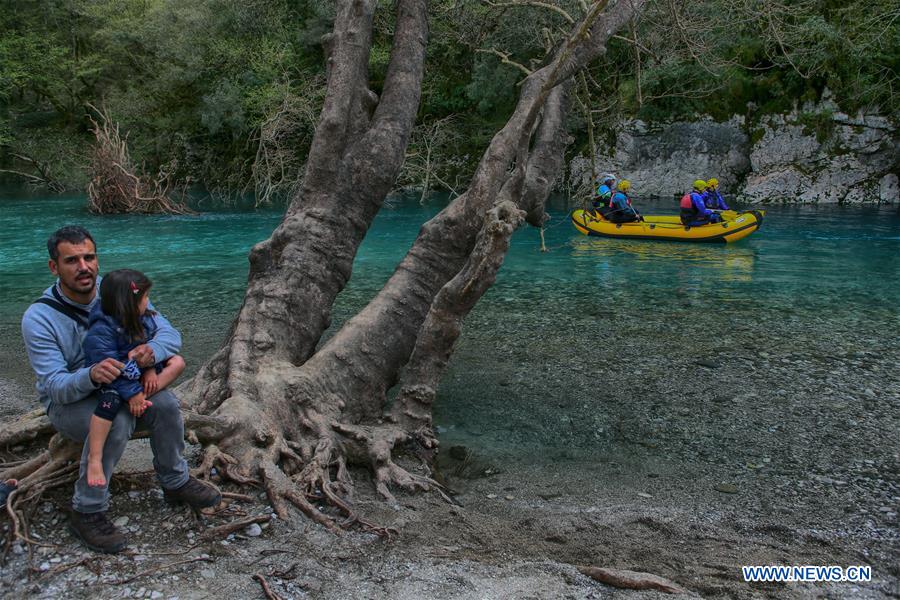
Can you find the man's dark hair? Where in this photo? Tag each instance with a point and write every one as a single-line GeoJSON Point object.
{"type": "Point", "coordinates": [74, 234]}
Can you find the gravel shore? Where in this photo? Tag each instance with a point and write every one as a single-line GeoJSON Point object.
{"type": "Point", "coordinates": [767, 440]}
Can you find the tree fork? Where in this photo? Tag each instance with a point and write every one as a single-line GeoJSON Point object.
{"type": "Point", "coordinates": [297, 273]}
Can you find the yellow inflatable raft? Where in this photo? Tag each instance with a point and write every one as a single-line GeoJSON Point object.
{"type": "Point", "coordinates": [735, 226]}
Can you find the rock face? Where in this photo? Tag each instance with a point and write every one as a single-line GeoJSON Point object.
{"type": "Point", "coordinates": [824, 157]}
{"type": "Point", "coordinates": [661, 160]}
{"type": "Point", "coordinates": [816, 154]}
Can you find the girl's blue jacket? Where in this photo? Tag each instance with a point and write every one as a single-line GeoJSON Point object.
{"type": "Point", "coordinates": [106, 338]}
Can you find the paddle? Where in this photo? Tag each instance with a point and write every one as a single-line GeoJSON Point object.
{"type": "Point", "coordinates": [727, 215]}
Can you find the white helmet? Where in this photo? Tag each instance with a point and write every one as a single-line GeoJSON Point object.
{"type": "Point", "coordinates": [607, 177]}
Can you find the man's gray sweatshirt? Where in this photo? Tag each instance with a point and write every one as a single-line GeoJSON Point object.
{"type": "Point", "coordinates": [53, 341]}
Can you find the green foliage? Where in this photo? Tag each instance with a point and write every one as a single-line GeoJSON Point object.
{"type": "Point", "coordinates": [492, 86]}
{"type": "Point", "coordinates": [821, 124]}
{"type": "Point", "coordinates": [198, 81]}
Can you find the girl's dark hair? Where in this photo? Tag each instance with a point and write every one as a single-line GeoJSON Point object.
{"type": "Point", "coordinates": [120, 296]}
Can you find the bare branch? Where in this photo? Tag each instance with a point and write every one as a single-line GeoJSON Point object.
{"type": "Point", "coordinates": [535, 3]}
{"type": "Point", "coordinates": [504, 58]}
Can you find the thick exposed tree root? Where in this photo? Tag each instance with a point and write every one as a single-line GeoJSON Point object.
{"type": "Point", "coordinates": [380, 442]}
{"type": "Point", "coordinates": [56, 466]}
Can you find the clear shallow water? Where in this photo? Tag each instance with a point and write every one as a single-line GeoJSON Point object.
{"type": "Point", "coordinates": [810, 275]}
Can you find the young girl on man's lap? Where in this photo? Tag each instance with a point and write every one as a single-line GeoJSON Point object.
{"type": "Point", "coordinates": [119, 323]}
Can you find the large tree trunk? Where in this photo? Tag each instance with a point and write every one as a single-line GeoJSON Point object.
{"type": "Point", "coordinates": [293, 419]}
{"type": "Point", "coordinates": [356, 153]}
{"type": "Point", "coordinates": [269, 408]}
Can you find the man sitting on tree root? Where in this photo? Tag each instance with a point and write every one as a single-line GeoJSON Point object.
{"type": "Point", "coordinates": [53, 328]}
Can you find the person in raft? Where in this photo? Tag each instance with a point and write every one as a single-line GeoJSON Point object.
{"type": "Point", "coordinates": [118, 324]}
{"type": "Point", "coordinates": [712, 198]}
{"type": "Point", "coordinates": [620, 209]}
{"type": "Point", "coordinates": [604, 192]}
{"type": "Point", "coordinates": [53, 328]}
{"type": "Point", "coordinates": [693, 209]}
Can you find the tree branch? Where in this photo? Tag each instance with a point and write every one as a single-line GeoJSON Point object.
{"type": "Point", "coordinates": [554, 8]}
{"type": "Point", "coordinates": [504, 58]}
{"type": "Point", "coordinates": [378, 157]}
{"type": "Point", "coordinates": [347, 68]}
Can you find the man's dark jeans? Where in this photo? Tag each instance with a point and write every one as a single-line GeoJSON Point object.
{"type": "Point", "coordinates": [162, 420]}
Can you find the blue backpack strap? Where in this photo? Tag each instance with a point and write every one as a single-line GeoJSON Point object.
{"type": "Point", "coordinates": [78, 315]}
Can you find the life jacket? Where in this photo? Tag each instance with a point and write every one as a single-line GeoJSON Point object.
{"type": "Point", "coordinates": [689, 210]}
{"type": "Point", "coordinates": [612, 198]}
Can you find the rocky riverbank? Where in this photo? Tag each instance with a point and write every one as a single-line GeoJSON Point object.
{"type": "Point", "coordinates": [815, 154]}
{"type": "Point", "coordinates": [771, 445]}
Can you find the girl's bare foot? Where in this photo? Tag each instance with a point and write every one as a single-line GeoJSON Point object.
{"type": "Point", "coordinates": [95, 475]}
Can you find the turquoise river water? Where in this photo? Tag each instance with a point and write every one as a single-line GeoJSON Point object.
{"type": "Point", "coordinates": [811, 274]}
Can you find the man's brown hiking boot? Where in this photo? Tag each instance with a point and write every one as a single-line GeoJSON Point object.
{"type": "Point", "coordinates": [195, 493]}
{"type": "Point", "coordinates": [96, 532]}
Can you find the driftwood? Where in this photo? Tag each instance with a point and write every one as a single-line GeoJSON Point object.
{"type": "Point", "coordinates": [632, 580]}
{"type": "Point", "coordinates": [115, 187]}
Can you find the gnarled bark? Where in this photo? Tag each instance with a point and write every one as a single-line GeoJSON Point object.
{"type": "Point", "coordinates": [306, 416]}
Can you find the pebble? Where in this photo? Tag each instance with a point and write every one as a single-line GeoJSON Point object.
{"type": "Point", "coordinates": [156, 595]}
{"type": "Point", "coordinates": [491, 496]}
{"type": "Point", "coordinates": [644, 495]}
{"type": "Point", "coordinates": [45, 566]}
{"type": "Point", "coordinates": [140, 593]}
{"type": "Point", "coordinates": [121, 521]}
{"type": "Point", "coordinates": [253, 530]}
{"type": "Point", "coordinates": [207, 573]}
{"type": "Point", "coordinates": [134, 495]}
{"type": "Point", "coordinates": [726, 488]}
{"type": "Point", "coordinates": [509, 497]}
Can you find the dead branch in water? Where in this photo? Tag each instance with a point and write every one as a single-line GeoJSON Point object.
{"type": "Point", "coordinates": [114, 186]}
{"type": "Point", "coordinates": [42, 178]}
